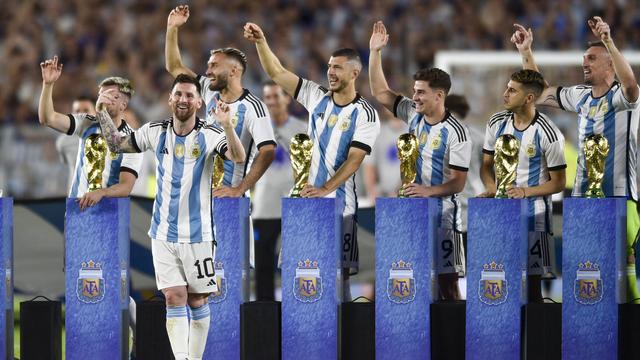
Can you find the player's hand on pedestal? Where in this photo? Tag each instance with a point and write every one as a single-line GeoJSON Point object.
{"type": "Point", "coordinates": [417, 190]}
{"type": "Point", "coordinates": [310, 191]}
{"type": "Point", "coordinates": [226, 191]}
{"type": "Point", "coordinates": [91, 198]}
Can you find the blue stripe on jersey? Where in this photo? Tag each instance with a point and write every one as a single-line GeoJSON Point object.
{"type": "Point", "coordinates": [229, 165]}
{"type": "Point", "coordinates": [318, 114]}
{"type": "Point", "coordinates": [588, 130]}
{"type": "Point", "coordinates": [425, 129]}
{"type": "Point", "coordinates": [501, 129]}
{"type": "Point", "coordinates": [228, 172]}
{"type": "Point", "coordinates": [609, 133]}
{"type": "Point", "coordinates": [343, 152]}
{"type": "Point", "coordinates": [535, 167]}
{"type": "Point", "coordinates": [160, 171]}
{"type": "Point", "coordinates": [195, 221]}
{"type": "Point", "coordinates": [323, 143]}
{"type": "Point", "coordinates": [177, 170]}
{"type": "Point", "coordinates": [93, 129]}
{"type": "Point", "coordinates": [437, 158]}
{"type": "Point", "coordinates": [114, 172]}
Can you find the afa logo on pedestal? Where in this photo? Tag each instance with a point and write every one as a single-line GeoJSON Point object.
{"type": "Point", "coordinates": [307, 285]}
{"type": "Point", "coordinates": [588, 287]}
{"type": "Point", "coordinates": [493, 288]}
{"type": "Point", "coordinates": [220, 294]}
{"type": "Point", "coordinates": [401, 286]}
{"type": "Point", "coordinates": [91, 285]}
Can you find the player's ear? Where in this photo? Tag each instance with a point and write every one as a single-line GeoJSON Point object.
{"type": "Point", "coordinates": [199, 102]}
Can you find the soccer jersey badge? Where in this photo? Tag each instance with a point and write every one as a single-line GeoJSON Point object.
{"type": "Point", "coordinates": [588, 288]}
{"type": "Point", "coordinates": [234, 120]}
{"type": "Point", "coordinates": [344, 125]}
{"type": "Point", "coordinates": [90, 286]}
{"type": "Point", "coordinates": [333, 119]}
{"type": "Point", "coordinates": [423, 138]}
{"type": "Point", "coordinates": [436, 141]}
{"type": "Point", "coordinates": [194, 152]}
{"type": "Point", "coordinates": [307, 284]}
{"type": "Point", "coordinates": [401, 285]}
{"type": "Point", "coordinates": [531, 150]}
{"type": "Point", "coordinates": [179, 151]}
{"type": "Point", "coordinates": [493, 288]}
{"type": "Point", "coordinates": [220, 294]}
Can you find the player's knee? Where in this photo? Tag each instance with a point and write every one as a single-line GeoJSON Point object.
{"type": "Point", "coordinates": [197, 300]}
{"type": "Point", "coordinates": [175, 297]}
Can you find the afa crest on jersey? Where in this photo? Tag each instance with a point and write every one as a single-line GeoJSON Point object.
{"type": "Point", "coordinates": [493, 288]}
{"type": "Point", "coordinates": [220, 294]}
{"type": "Point", "coordinates": [307, 284]}
{"type": "Point", "coordinates": [401, 285]}
{"type": "Point", "coordinates": [588, 288]}
{"type": "Point", "coordinates": [91, 285]}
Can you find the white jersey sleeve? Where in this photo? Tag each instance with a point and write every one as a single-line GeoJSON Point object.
{"type": "Point", "coordinates": [131, 163]}
{"type": "Point", "coordinates": [308, 93]}
{"type": "Point", "coordinates": [460, 150]}
{"type": "Point", "coordinates": [79, 123]}
{"type": "Point", "coordinates": [553, 149]}
{"type": "Point", "coordinates": [259, 125]}
{"type": "Point", "coordinates": [367, 128]}
{"type": "Point", "coordinates": [404, 108]}
{"type": "Point", "coordinates": [569, 98]}
{"type": "Point", "coordinates": [145, 138]}
{"type": "Point", "coordinates": [621, 103]}
{"type": "Point", "coordinates": [216, 140]}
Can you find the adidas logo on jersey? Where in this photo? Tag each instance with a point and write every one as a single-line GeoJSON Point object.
{"type": "Point", "coordinates": [165, 151]}
{"type": "Point", "coordinates": [211, 283]}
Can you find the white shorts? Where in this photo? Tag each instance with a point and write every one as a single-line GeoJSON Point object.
{"type": "Point", "coordinates": [180, 264]}
{"type": "Point", "coordinates": [449, 252]}
{"type": "Point", "coordinates": [541, 253]}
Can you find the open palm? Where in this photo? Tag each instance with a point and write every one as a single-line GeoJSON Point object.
{"type": "Point", "coordinates": [51, 70]}
{"type": "Point", "coordinates": [379, 37]}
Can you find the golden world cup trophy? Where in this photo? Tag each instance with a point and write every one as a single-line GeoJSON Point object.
{"type": "Point", "coordinates": [218, 172]}
{"type": "Point", "coordinates": [505, 160]}
{"type": "Point", "coordinates": [596, 148]}
{"type": "Point", "coordinates": [408, 152]}
{"type": "Point", "coordinates": [300, 152]}
{"type": "Point", "coordinates": [95, 152]}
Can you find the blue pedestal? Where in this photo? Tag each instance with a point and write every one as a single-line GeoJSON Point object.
{"type": "Point", "coordinates": [97, 282]}
{"type": "Point", "coordinates": [6, 286]}
{"type": "Point", "coordinates": [496, 270]}
{"type": "Point", "coordinates": [405, 277]}
{"type": "Point", "coordinates": [311, 278]}
{"type": "Point", "coordinates": [231, 217]}
{"type": "Point", "coordinates": [593, 270]}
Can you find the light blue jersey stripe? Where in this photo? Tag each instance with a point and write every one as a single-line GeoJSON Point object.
{"type": "Point", "coordinates": [93, 129]}
{"type": "Point", "coordinates": [610, 134]}
{"type": "Point", "coordinates": [437, 159]}
{"type": "Point", "coordinates": [160, 171]}
{"type": "Point", "coordinates": [535, 167]}
{"type": "Point", "coordinates": [195, 220]}
{"type": "Point", "coordinates": [419, 161]}
{"type": "Point", "coordinates": [174, 200]}
{"type": "Point", "coordinates": [325, 138]}
{"type": "Point", "coordinates": [114, 172]}
{"type": "Point", "coordinates": [343, 152]}
{"type": "Point", "coordinates": [318, 113]}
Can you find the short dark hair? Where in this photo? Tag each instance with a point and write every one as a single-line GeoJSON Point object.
{"type": "Point", "coordinates": [597, 43]}
{"type": "Point", "coordinates": [235, 54]}
{"type": "Point", "coordinates": [186, 79]}
{"type": "Point", "coordinates": [531, 80]}
{"type": "Point", "coordinates": [350, 54]}
{"type": "Point", "coordinates": [436, 78]}
{"type": "Point", "coordinates": [457, 104]}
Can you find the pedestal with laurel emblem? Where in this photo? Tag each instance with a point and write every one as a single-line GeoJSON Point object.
{"type": "Point", "coordinates": [6, 286]}
{"type": "Point", "coordinates": [97, 280]}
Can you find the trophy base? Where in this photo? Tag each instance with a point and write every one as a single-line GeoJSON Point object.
{"type": "Point", "coordinates": [594, 194]}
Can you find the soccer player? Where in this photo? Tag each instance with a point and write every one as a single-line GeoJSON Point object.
{"type": "Point", "coordinates": [120, 171]}
{"type": "Point", "coordinates": [343, 127]}
{"type": "Point", "coordinates": [182, 239]}
{"type": "Point", "coordinates": [275, 184]}
{"type": "Point", "coordinates": [223, 82]}
{"type": "Point", "coordinates": [445, 150]}
{"type": "Point", "coordinates": [605, 106]}
{"type": "Point", "coordinates": [541, 166]}
{"type": "Point", "coordinates": [67, 146]}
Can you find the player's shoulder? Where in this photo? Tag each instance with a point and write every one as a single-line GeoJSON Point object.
{"type": "Point", "coordinates": [460, 129]}
{"type": "Point", "coordinates": [577, 89]}
{"type": "Point", "coordinates": [125, 128]}
{"type": "Point", "coordinates": [362, 104]}
{"type": "Point", "coordinates": [208, 128]}
{"type": "Point", "coordinates": [549, 130]}
{"type": "Point", "coordinates": [162, 124]}
{"type": "Point", "coordinates": [499, 118]}
{"type": "Point", "coordinates": [254, 104]}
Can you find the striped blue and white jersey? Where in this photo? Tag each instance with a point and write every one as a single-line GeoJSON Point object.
{"type": "Point", "coordinates": [334, 129]}
{"type": "Point", "coordinates": [252, 123]}
{"type": "Point", "coordinates": [541, 151]}
{"type": "Point", "coordinates": [617, 119]}
{"type": "Point", "coordinates": [83, 126]}
{"type": "Point", "coordinates": [444, 146]}
{"type": "Point", "coordinates": [182, 208]}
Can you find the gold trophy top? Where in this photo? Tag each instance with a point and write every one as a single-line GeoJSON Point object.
{"type": "Point", "coordinates": [95, 152]}
{"type": "Point", "coordinates": [596, 149]}
{"type": "Point", "coordinates": [408, 152]}
{"type": "Point", "coordinates": [505, 157]}
{"type": "Point", "coordinates": [300, 151]}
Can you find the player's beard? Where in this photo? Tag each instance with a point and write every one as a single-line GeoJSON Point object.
{"type": "Point", "coordinates": [183, 115]}
{"type": "Point", "coordinates": [222, 81]}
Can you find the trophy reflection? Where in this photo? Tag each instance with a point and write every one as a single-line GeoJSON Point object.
{"type": "Point", "coordinates": [505, 160]}
{"type": "Point", "coordinates": [95, 152]}
{"type": "Point", "coordinates": [596, 148]}
{"type": "Point", "coordinates": [218, 172]}
{"type": "Point", "coordinates": [408, 152]}
{"type": "Point", "coordinates": [300, 152]}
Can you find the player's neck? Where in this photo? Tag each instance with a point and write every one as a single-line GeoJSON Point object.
{"type": "Point", "coordinates": [182, 128]}
{"type": "Point", "coordinates": [522, 118]}
{"type": "Point", "coordinates": [117, 120]}
{"type": "Point", "coordinates": [345, 96]}
{"type": "Point", "coordinates": [602, 87]}
{"type": "Point", "coordinates": [231, 93]}
{"type": "Point", "coordinates": [435, 116]}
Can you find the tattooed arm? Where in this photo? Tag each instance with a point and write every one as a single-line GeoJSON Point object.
{"type": "Point", "coordinates": [117, 142]}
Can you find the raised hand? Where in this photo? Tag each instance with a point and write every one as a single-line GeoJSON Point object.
{"type": "Point", "coordinates": [222, 113]}
{"type": "Point", "coordinates": [379, 37]}
{"type": "Point", "coordinates": [522, 38]}
{"type": "Point", "coordinates": [178, 16]}
{"type": "Point", "coordinates": [107, 97]}
{"type": "Point", "coordinates": [51, 70]}
{"type": "Point", "coordinates": [600, 28]}
{"type": "Point", "coordinates": [252, 32]}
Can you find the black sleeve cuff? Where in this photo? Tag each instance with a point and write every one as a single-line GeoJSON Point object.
{"type": "Point", "coordinates": [131, 171]}
{"type": "Point", "coordinates": [298, 87]}
{"type": "Point", "coordinates": [395, 105]}
{"type": "Point", "coordinates": [558, 97]}
{"type": "Point", "coordinates": [222, 152]}
{"type": "Point", "coordinates": [488, 152]}
{"type": "Point", "coordinates": [459, 168]}
{"type": "Point", "coordinates": [72, 125]}
{"type": "Point", "coordinates": [559, 167]}
{"type": "Point", "coordinates": [362, 146]}
{"type": "Point", "coordinates": [267, 142]}
{"type": "Point", "coordinates": [135, 144]}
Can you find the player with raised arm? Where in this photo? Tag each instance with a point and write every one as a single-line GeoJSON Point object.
{"type": "Point", "coordinates": [182, 239]}
{"type": "Point", "coordinates": [342, 125]}
{"type": "Point", "coordinates": [445, 152]}
{"type": "Point", "coordinates": [607, 104]}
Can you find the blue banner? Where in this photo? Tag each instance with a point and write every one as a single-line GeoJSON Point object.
{"type": "Point", "coordinates": [231, 274]}
{"type": "Point", "coordinates": [97, 281]}
{"type": "Point", "coordinates": [593, 259]}
{"type": "Point", "coordinates": [6, 286]}
{"type": "Point", "coordinates": [496, 277]}
{"type": "Point", "coordinates": [405, 277]}
{"type": "Point", "coordinates": [311, 277]}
